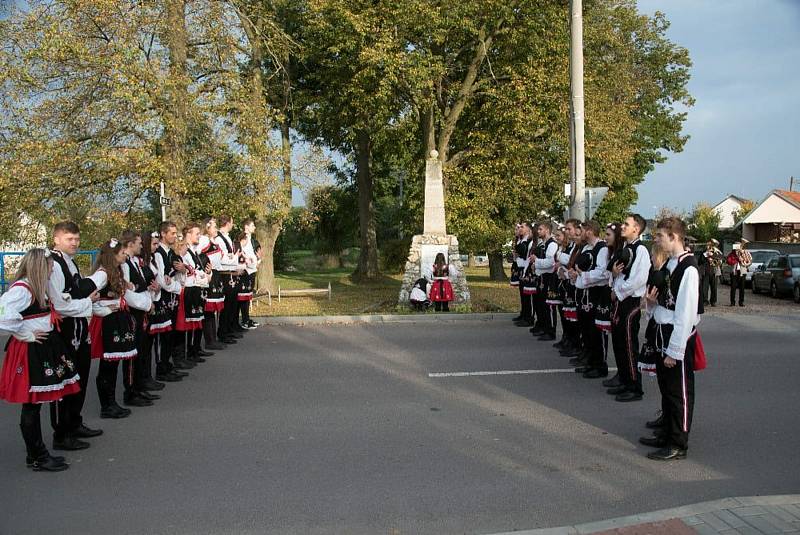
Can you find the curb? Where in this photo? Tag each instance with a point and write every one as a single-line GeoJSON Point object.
{"type": "Point", "coordinates": [662, 515]}
{"type": "Point", "coordinates": [384, 318]}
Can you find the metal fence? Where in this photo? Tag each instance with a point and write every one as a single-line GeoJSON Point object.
{"type": "Point", "coordinates": [10, 259]}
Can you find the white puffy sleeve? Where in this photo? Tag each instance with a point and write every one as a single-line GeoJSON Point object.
{"type": "Point", "coordinates": [63, 303]}
{"type": "Point", "coordinates": [685, 316]}
{"type": "Point", "coordinates": [12, 303]}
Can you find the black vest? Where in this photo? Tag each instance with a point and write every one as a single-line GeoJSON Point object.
{"type": "Point", "coordinates": [595, 252]}
{"type": "Point", "coordinates": [196, 259]}
{"type": "Point", "coordinates": [228, 245]}
{"type": "Point", "coordinates": [632, 247]}
{"type": "Point", "coordinates": [167, 257]}
{"type": "Point", "coordinates": [137, 278]}
{"type": "Point", "coordinates": [74, 285]}
{"type": "Point", "coordinates": [667, 299]}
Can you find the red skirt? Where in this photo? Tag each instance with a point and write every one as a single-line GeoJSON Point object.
{"type": "Point", "coordinates": [441, 291]}
{"type": "Point", "coordinates": [56, 374]}
{"type": "Point", "coordinates": [190, 310]}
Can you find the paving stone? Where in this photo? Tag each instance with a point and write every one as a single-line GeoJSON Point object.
{"type": "Point", "coordinates": [705, 529]}
{"type": "Point", "coordinates": [691, 520]}
{"type": "Point", "coordinates": [729, 518]}
{"type": "Point", "coordinates": [667, 527]}
{"type": "Point", "coordinates": [749, 530]}
{"type": "Point", "coordinates": [761, 524]}
{"type": "Point", "coordinates": [749, 511]}
{"type": "Point", "coordinates": [780, 524]}
{"type": "Point", "coordinates": [783, 511]}
{"type": "Point", "coordinates": [715, 522]}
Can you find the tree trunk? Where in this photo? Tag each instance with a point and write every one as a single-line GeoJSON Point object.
{"type": "Point", "coordinates": [267, 235]}
{"type": "Point", "coordinates": [368, 257]}
{"type": "Point", "coordinates": [175, 123]}
{"type": "Point", "coordinates": [496, 271]}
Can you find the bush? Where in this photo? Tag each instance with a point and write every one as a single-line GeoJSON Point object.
{"type": "Point", "coordinates": [393, 255]}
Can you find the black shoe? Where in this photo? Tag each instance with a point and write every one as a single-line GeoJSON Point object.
{"type": "Point", "coordinates": [732, 305]}
{"type": "Point", "coordinates": [151, 385]}
{"type": "Point", "coordinates": [179, 373]}
{"type": "Point", "coordinates": [615, 390]}
{"type": "Point", "coordinates": [70, 444]}
{"type": "Point", "coordinates": [114, 412]}
{"type": "Point", "coordinates": [169, 378]}
{"type": "Point", "coordinates": [547, 337]}
{"type": "Point", "coordinates": [29, 461]}
{"type": "Point", "coordinates": [669, 453]}
{"type": "Point", "coordinates": [85, 432]}
{"type": "Point", "coordinates": [595, 373]}
{"type": "Point", "coordinates": [183, 364]}
{"type": "Point", "coordinates": [253, 324]}
{"type": "Point", "coordinates": [655, 424]}
{"type": "Point", "coordinates": [522, 323]}
{"type": "Point", "coordinates": [712, 305]}
{"type": "Point", "coordinates": [196, 359]}
{"type": "Point", "coordinates": [204, 353]}
{"type": "Point", "coordinates": [629, 395]}
{"type": "Point", "coordinates": [741, 304]}
{"type": "Point", "coordinates": [137, 401]}
{"type": "Point", "coordinates": [560, 344]}
{"type": "Point", "coordinates": [216, 346]}
{"type": "Point", "coordinates": [613, 382]}
{"type": "Point", "coordinates": [571, 353]}
{"type": "Point", "coordinates": [582, 369]}
{"type": "Point", "coordinates": [47, 463]}
{"type": "Point", "coordinates": [536, 331]}
{"type": "Point", "coordinates": [148, 396]}
{"type": "Point", "coordinates": [654, 442]}
{"type": "Point", "coordinates": [229, 341]}
{"type": "Point", "coordinates": [238, 328]}
{"type": "Point", "coordinates": [518, 318]}
{"type": "Point", "coordinates": [577, 361]}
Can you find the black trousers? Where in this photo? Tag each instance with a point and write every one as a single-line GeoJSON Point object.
{"type": "Point", "coordinates": [107, 380]}
{"type": "Point", "coordinates": [163, 347]}
{"type": "Point", "coordinates": [441, 306]}
{"type": "Point", "coordinates": [187, 343]}
{"type": "Point", "coordinates": [229, 316]}
{"type": "Point", "coordinates": [244, 306]}
{"type": "Point", "coordinates": [737, 282]}
{"type": "Point", "coordinates": [677, 396]}
{"type": "Point", "coordinates": [143, 360]}
{"type": "Point", "coordinates": [525, 305]}
{"type": "Point", "coordinates": [625, 339]}
{"type": "Point", "coordinates": [710, 284]}
{"type": "Point", "coordinates": [65, 415]}
{"type": "Point", "coordinates": [546, 318]}
{"type": "Point", "coordinates": [30, 423]}
{"type": "Point", "coordinates": [595, 341]}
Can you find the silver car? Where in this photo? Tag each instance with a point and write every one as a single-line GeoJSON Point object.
{"type": "Point", "coordinates": [760, 257]}
{"type": "Point", "coordinates": [779, 276]}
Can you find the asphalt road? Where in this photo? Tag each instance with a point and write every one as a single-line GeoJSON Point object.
{"type": "Point", "coordinates": [339, 429]}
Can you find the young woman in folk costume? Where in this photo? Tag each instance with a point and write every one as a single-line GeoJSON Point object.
{"type": "Point", "coordinates": [154, 321]}
{"type": "Point", "coordinates": [191, 303]}
{"type": "Point", "coordinates": [113, 327]}
{"type": "Point", "coordinates": [36, 368]}
{"type": "Point", "coordinates": [248, 279]}
{"type": "Point", "coordinates": [556, 294]}
{"type": "Point", "coordinates": [442, 289]}
{"type": "Point", "coordinates": [615, 244]}
{"type": "Point", "coordinates": [211, 255]}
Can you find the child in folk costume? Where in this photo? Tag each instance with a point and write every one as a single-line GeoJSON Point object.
{"type": "Point", "coordinates": [442, 290]}
{"type": "Point", "coordinates": [676, 309]}
{"type": "Point", "coordinates": [211, 256]}
{"type": "Point", "coordinates": [248, 278]}
{"type": "Point", "coordinates": [113, 327]}
{"type": "Point", "coordinates": [36, 368]}
{"type": "Point", "coordinates": [418, 297]}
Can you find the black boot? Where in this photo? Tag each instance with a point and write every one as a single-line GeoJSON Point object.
{"type": "Point", "coordinates": [37, 458]}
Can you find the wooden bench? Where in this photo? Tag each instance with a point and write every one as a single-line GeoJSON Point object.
{"type": "Point", "coordinates": [304, 292]}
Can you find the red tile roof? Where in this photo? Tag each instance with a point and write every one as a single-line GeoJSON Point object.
{"type": "Point", "coordinates": [791, 196]}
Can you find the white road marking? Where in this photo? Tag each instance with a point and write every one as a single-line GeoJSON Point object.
{"type": "Point", "coordinates": [505, 372]}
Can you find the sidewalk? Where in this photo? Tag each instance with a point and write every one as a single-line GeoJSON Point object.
{"type": "Point", "coordinates": [751, 515]}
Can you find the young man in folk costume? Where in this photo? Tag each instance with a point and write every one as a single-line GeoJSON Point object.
{"type": "Point", "coordinates": [544, 266]}
{"type": "Point", "coordinates": [522, 251]}
{"type": "Point", "coordinates": [630, 272]}
{"type": "Point", "coordinates": [143, 282]}
{"type": "Point", "coordinates": [191, 304]}
{"type": "Point", "coordinates": [251, 250]}
{"type": "Point", "coordinates": [166, 308]}
{"type": "Point", "coordinates": [591, 276]}
{"type": "Point", "coordinates": [72, 298]}
{"type": "Point", "coordinates": [676, 310]}
{"type": "Point", "coordinates": [211, 256]}
{"type": "Point", "coordinates": [37, 368]}
{"type": "Point", "coordinates": [113, 329]}
{"type": "Point", "coordinates": [566, 262]}
{"type": "Point", "coordinates": [739, 259]}
{"type": "Point", "coordinates": [231, 267]}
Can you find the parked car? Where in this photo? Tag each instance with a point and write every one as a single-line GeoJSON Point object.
{"type": "Point", "coordinates": [779, 276]}
{"type": "Point", "coordinates": [760, 256]}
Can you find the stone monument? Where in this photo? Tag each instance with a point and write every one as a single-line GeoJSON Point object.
{"type": "Point", "coordinates": [434, 239]}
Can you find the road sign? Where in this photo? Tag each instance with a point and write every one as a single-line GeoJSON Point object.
{"type": "Point", "coordinates": [165, 201]}
{"type": "Point", "coordinates": [594, 196]}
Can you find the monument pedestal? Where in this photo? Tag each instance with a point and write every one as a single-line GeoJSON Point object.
{"type": "Point", "coordinates": [424, 248]}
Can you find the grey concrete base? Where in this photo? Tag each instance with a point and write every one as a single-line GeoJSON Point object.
{"type": "Point", "coordinates": [442, 317]}
{"type": "Point", "coordinates": [666, 514]}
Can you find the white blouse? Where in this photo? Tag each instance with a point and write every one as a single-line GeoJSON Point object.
{"type": "Point", "coordinates": [12, 304]}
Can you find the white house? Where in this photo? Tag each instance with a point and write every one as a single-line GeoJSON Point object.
{"type": "Point", "coordinates": [727, 208]}
{"type": "Point", "coordinates": [776, 218]}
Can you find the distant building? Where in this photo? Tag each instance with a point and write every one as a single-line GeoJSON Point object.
{"type": "Point", "coordinates": [727, 209]}
{"type": "Point", "coordinates": [775, 219]}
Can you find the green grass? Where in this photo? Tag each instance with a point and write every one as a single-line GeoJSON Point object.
{"type": "Point", "coordinates": [375, 297]}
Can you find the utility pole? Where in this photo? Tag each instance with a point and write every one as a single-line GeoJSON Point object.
{"type": "Point", "coordinates": [578, 208]}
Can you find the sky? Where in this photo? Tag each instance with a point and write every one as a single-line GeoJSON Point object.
{"type": "Point", "coordinates": [744, 125]}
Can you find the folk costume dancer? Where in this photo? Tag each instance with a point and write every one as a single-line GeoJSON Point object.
{"type": "Point", "coordinates": [676, 311]}
{"type": "Point", "coordinates": [523, 252]}
{"type": "Point", "coordinates": [630, 286]}
{"type": "Point", "coordinates": [153, 322]}
{"type": "Point", "coordinates": [134, 273]}
{"type": "Point", "coordinates": [441, 293]}
{"type": "Point", "coordinates": [37, 367]}
{"type": "Point", "coordinates": [211, 256]}
{"type": "Point", "coordinates": [191, 305]}
{"type": "Point", "coordinates": [166, 308]}
{"type": "Point", "coordinates": [72, 298]}
{"type": "Point", "coordinates": [231, 268]}
{"type": "Point", "coordinates": [572, 347]}
{"type": "Point", "coordinates": [113, 328]}
{"type": "Point", "coordinates": [594, 281]}
{"type": "Point", "coordinates": [251, 250]}
{"type": "Point", "coordinates": [544, 265]}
